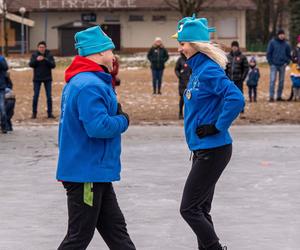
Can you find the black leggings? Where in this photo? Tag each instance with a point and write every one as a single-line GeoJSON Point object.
{"type": "Point", "coordinates": [208, 165]}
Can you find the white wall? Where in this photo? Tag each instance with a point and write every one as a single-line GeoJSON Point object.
{"type": "Point", "coordinates": [135, 34]}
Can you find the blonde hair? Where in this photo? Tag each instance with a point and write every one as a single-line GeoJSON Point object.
{"type": "Point", "coordinates": [212, 51]}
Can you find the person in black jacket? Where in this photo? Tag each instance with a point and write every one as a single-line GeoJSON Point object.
{"type": "Point", "coordinates": [183, 72]}
{"type": "Point", "coordinates": [157, 56]}
{"type": "Point", "coordinates": [237, 67]}
{"type": "Point", "coordinates": [10, 101]}
{"type": "Point", "coordinates": [42, 63]}
{"type": "Point", "coordinates": [296, 61]}
{"type": "Point", "coordinates": [3, 71]}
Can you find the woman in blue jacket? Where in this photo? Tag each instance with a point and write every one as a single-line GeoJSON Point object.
{"type": "Point", "coordinates": [212, 102]}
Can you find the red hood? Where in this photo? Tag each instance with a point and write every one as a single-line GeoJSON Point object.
{"type": "Point", "coordinates": [81, 64]}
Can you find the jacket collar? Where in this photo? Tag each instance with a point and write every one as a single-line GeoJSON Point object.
{"type": "Point", "coordinates": [196, 60]}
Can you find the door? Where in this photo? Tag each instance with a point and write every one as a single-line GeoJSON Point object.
{"type": "Point", "coordinates": [67, 42]}
{"type": "Point", "coordinates": [114, 32]}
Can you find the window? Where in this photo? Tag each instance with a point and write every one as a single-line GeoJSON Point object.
{"type": "Point", "coordinates": [112, 18]}
{"type": "Point", "coordinates": [159, 18]}
{"type": "Point", "coordinates": [88, 17]}
{"type": "Point", "coordinates": [228, 28]}
{"type": "Point", "coordinates": [136, 18]}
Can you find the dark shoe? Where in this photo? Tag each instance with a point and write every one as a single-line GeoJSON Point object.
{"type": "Point", "coordinates": [33, 116]}
{"type": "Point", "coordinates": [271, 99]}
{"type": "Point", "coordinates": [51, 116]}
{"type": "Point", "coordinates": [180, 117]}
{"type": "Point", "coordinates": [4, 131]}
{"type": "Point", "coordinates": [159, 92]}
{"type": "Point", "coordinates": [279, 99]}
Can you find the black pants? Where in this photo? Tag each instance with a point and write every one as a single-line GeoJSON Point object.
{"type": "Point", "coordinates": [36, 91]}
{"type": "Point", "coordinates": [104, 215]}
{"type": "Point", "coordinates": [252, 93]}
{"type": "Point", "coordinates": [208, 165]}
{"type": "Point", "coordinates": [181, 103]}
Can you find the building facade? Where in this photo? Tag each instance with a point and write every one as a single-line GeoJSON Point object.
{"type": "Point", "coordinates": [133, 24]}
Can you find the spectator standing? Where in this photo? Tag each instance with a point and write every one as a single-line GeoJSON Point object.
{"type": "Point", "coordinates": [157, 56]}
{"type": "Point", "coordinates": [183, 72]}
{"type": "Point", "coordinates": [295, 65]}
{"type": "Point", "coordinates": [278, 56]}
{"type": "Point", "coordinates": [3, 84]}
{"type": "Point", "coordinates": [42, 63]}
{"type": "Point", "coordinates": [10, 101]}
{"type": "Point", "coordinates": [252, 80]}
{"type": "Point", "coordinates": [237, 67]}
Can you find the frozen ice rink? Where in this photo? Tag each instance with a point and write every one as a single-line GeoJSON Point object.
{"type": "Point", "coordinates": [256, 204]}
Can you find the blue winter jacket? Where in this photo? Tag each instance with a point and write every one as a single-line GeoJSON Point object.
{"type": "Point", "coordinates": [210, 98]}
{"type": "Point", "coordinates": [90, 129]}
{"type": "Point", "coordinates": [253, 76]}
{"type": "Point", "coordinates": [278, 52]}
{"type": "Point", "coordinates": [3, 72]}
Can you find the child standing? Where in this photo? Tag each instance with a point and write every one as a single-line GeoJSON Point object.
{"type": "Point", "coordinates": [252, 80]}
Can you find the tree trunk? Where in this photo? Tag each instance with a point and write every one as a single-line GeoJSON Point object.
{"type": "Point", "coordinates": [294, 7]}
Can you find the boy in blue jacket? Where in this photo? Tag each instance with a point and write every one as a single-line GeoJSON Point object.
{"type": "Point", "coordinates": [90, 129]}
{"type": "Point", "coordinates": [252, 80]}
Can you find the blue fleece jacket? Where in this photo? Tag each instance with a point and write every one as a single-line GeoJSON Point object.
{"type": "Point", "coordinates": [90, 129]}
{"type": "Point", "coordinates": [278, 52]}
{"type": "Point", "coordinates": [210, 98]}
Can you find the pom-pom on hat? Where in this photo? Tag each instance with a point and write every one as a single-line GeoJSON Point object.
{"type": "Point", "coordinates": [92, 41]}
{"type": "Point", "coordinates": [192, 29]}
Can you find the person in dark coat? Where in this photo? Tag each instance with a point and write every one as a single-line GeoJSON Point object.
{"type": "Point", "coordinates": [237, 67]}
{"type": "Point", "coordinates": [3, 72]}
{"type": "Point", "coordinates": [157, 56]}
{"type": "Point", "coordinates": [42, 63]}
{"type": "Point", "coordinates": [296, 62]}
{"type": "Point", "coordinates": [252, 80]}
{"type": "Point", "coordinates": [10, 101]}
{"type": "Point", "coordinates": [183, 72]}
{"type": "Point", "coordinates": [278, 56]}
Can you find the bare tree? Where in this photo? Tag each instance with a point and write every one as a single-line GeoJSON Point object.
{"type": "Point", "coordinates": [294, 7]}
{"type": "Point", "coordinates": [185, 7]}
{"type": "Point", "coordinates": [263, 22]}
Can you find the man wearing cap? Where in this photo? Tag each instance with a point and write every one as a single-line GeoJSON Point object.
{"type": "Point", "coordinates": [157, 56]}
{"type": "Point", "coordinates": [90, 129]}
{"type": "Point", "coordinates": [278, 56]}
